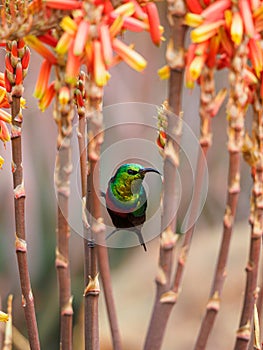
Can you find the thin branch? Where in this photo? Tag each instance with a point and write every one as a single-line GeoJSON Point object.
{"type": "Point", "coordinates": [175, 58]}
{"type": "Point", "coordinates": [252, 151]}
{"type": "Point", "coordinates": [19, 200]}
{"type": "Point", "coordinates": [235, 133]}
{"type": "Point", "coordinates": [63, 114]}
{"type": "Point", "coordinates": [95, 137]}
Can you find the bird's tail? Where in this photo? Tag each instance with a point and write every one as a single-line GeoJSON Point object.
{"type": "Point", "coordinates": [135, 230]}
{"type": "Point", "coordinates": [138, 232]}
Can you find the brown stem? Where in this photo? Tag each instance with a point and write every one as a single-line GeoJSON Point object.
{"type": "Point", "coordinates": [161, 310]}
{"type": "Point", "coordinates": [235, 141]}
{"type": "Point", "coordinates": [63, 115]}
{"type": "Point", "coordinates": [92, 289]}
{"type": "Point", "coordinates": [255, 160]}
{"type": "Point", "coordinates": [20, 241]}
{"type": "Point", "coordinates": [95, 136]}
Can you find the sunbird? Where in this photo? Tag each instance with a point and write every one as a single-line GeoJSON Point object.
{"type": "Point", "coordinates": [126, 200]}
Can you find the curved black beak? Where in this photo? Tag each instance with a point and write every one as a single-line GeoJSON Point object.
{"type": "Point", "coordinates": [149, 170]}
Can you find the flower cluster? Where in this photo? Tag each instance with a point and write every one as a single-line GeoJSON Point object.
{"type": "Point", "coordinates": [89, 36]}
{"type": "Point", "coordinates": [5, 117]}
{"type": "Point", "coordinates": [16, 66]}
{"type": "Point", "coordinates": [218, 30]}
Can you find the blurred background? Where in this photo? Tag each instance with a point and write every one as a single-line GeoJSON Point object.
{"type": "Point", "coordinates": [133, 271]}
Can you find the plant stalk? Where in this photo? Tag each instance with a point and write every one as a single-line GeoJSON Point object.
{"type": "Point", "coordinates": [168, 239]}
{"type": "Point", "coordinates": [63, 115]}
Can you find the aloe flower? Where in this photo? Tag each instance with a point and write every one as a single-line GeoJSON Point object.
{"type": "Point", "coordinates": [89, 38]}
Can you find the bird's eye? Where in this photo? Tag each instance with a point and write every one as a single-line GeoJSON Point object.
{"type": "Point", "coordinates": [132, 172]}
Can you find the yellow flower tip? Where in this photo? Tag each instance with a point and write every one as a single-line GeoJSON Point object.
{"type": "Point", "coordinates": [193, 19]}
{"type": "Point", "coordinates": [131, 57]}
{"type": "Point", "coordinates": [64, 95]}
{"type": "Point", "coordinates": [189, 82]}
{"type": "Point", "coordinates": [4, 133]}
{"type": "Point", "coordinates": [3, 316]}
{"type": "Point", "coordinates": [42, 81]}
{"type": "Point", "coordinates": [72, 67]}
{"type": "Point", "coordinates": [47, 97]}
{"type": "Point", "coordinates": [236, 30]}
{"type": "Point", "coordinates": [1, 162]}
{"type": "Point", "coordinates": [164, 72]}
{"type": "Point", "coordinates": [23, 103]}
{"type": "Point", "coordinates": [196, 67]}
{"type": "Point", "coordinates": [101, 76]}
{"type": "Point", "coordinates": [116, 26]}
{"type": "Point", "coordinates": [5, 116]}
{"type": "Point", "coordinates": [205, 31]}
{"type": "Point", "coordinates": [69, 25]}
{"type": "Point", "coordinates": [126, 10]}
{"type": "Point", "coordinates": [64, 43]}
{"type": "Point", "coordinates": [228, 18]}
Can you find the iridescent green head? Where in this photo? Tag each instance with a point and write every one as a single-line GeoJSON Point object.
{"type": "Point", "coordinates": [128, 179]}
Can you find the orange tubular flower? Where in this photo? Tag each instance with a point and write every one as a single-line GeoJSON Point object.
{"type": "Point", "coordinates": [43, 78]}
{"type": "Point", "coordinates": [19, 74]}
{"type": "Point", "coordinates": [64, 95]}
{"type": "Point", "coordinates": [64, 43]}
{"type": "Point", "coordinates": [216, 10]}
{"type": "Point", "coordinates": [69, 25]}
{"type": "Point", "coordinates": [194, 6]}
{"type": "Point", "coordinates": [154, 22]}
{"type": "Point", "coordinates": [26, 58]}
{"type": "Point", "coordinates": [256, 56]}
{"type": "Point", "coordinates": [47, 97]}
{"type": "Point", "coordinates": [4, 133]}
{"type": "Point", "coordinates": [3, 100]}
{"type": "Point", "coordinates": [1, 162]}
{"type": "Point", "coordinates": [105, 40]}
{"type": "Point", "coordinates": [36, 44]}
{"type": "Point", "coordinates": [226, 42]}
{"type": "Point", "coordinates": [218, 100]}
{"type": "Point", "coordinates": [81, 38]}
{"type": "Point", "coordinates": [63, 4]}
{"type": "Point", "coordinates": [101, 75]}
{"type": "Point", "coordinates": [72, 67]}
{"type": "Point", "coordinates": [5, 117]}
{"type": "Point", "coordinates": [131, 57]}
{"type": "Point", "coordinates": [205, 31]}
{"type": "Point", "coordinates": [236, 30]}
{"type": "Point", "coordinates": [134, 24]}
{"type": "Point", "coordinates": [138, 12]}
{"type": "Point", "coordinates": [246, 13]}
{"type": "Point", "coordinates": [196, 67]}
{"type": "Point", "coordinates": [213, 50]}
{"type": "Point", "coordinates": [125, 9]}
{"type": "Point", "coordinates": [193, 19]}
{"type": "Point", "coordinates": [161, 139]}
{"type": "Point", "coordinates": [116, 26]}
{"type": "Point", "coordinates": [261, 87]}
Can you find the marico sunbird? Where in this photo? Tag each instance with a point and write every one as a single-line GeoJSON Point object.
{"type": "Point", "coordinates": [126, 200]}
